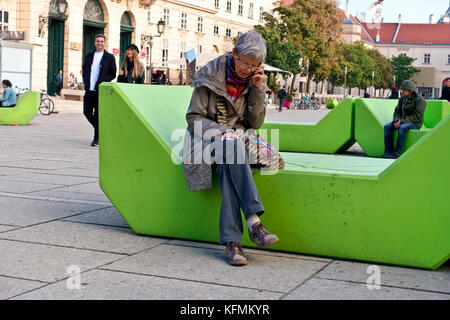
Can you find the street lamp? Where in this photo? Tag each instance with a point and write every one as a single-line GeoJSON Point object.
{"type": "Point", "coordinates": [373, 88]}
{"type": "Point", "coordinates": [345, 81]}
{"type": "Point", "coordinates": [160, 27]}
{"type": "Point", "coordinates": [62, 6]}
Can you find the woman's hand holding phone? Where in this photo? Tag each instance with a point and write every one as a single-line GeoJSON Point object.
{"type": "Point", "coordinates": [257, 77]}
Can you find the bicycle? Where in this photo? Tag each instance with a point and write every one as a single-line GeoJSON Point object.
{"type": "Point", "coordinates": [47, 105]}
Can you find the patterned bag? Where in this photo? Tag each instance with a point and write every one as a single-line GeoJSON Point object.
{"type": "Point", "coordinates": [260, 150]}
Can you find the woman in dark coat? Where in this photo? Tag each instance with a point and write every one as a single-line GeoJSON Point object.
{"type": "Point", "coordinates": [131, 70]}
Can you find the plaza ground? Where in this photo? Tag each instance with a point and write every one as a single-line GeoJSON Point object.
{"type": "Point", "coordinates": [55, 219]}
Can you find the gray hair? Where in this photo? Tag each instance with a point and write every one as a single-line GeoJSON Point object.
{"type": "Point", "coordinates": [252, 45]}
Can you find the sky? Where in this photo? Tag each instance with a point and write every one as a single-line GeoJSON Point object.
{"type": "Point", "coordinates": [412, 11]}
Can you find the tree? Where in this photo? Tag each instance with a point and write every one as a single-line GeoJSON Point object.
{"type": "Point", "coordinates": [383, 70]}
{"type": "Point", "coordinates": [403, 69]}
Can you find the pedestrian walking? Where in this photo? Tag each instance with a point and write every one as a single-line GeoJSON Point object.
{"type": "Point", "coordinates": [394, 93]}
{"type": "Point", "coordinates": [228, 96]}
{"type": "Point", "coordinates": [131, 69]}
{"type": "Point", "coordinates": [99, 66]}
{"type": "Point", "coordinates": [282, 97]}
{"type": "Point", "coordinates": [79, 80]}
{"type": "Point", "coordinates": [59, 83]}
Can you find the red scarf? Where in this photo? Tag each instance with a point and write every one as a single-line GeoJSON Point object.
{"type": "Point", "coordinates": [235, 84]}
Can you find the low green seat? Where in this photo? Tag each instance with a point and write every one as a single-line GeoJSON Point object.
{"type": "Point", "coordinates": [25, 110]}
{"type": "Point", "coordinates": [371, 115]}
{"type": "Point", "coordinates": [331, 134]}
{"type": "Point", "coordinates": [345, 207]}
{"type": "Point", "coordinates": [331, 103]}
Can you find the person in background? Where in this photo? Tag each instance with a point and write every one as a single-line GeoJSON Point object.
{"type": "Point", "coordinates": [71, 81]}
{"type": "Point", "coordinates": [394, 93]}
{"type": "Point", "coordinates": [282, 96]}
{"type": "Point", "coordinates": [131, 69]}
{"type": "Point", "coordinates": [168, 83]}
{"type": "Point", "coordinates": [9, 95]}
{"type": "Point", "coordinates": [59, 83]}
{"type": "Point", "coordinates": [79, 80]}
{"type": "Point", "coordinates": [99, 66]}
{"type": "Point", "coordinates": [408, 115]}
{"type": "Point", "coordinates": [446, 92]}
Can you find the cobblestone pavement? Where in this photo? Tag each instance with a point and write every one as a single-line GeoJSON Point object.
{"type": "Point", "coordinates": [56, 222]}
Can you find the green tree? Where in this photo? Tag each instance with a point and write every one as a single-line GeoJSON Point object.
{"type": "Point", "coordinates": [403, 69]}
{"type": "Point", "coordinates": [383, 70]}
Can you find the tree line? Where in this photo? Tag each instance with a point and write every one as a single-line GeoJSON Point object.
{"type": "Point", "coordinates": [306, 40]}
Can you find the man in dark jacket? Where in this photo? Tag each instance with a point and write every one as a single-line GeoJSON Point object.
{"type": "Point", "coordinates": [99, 66]}
{"type": "Point", "coordinates": [394, 93]}
{"type": "Point", "coordinates": [282, 96]}
{"type": "Point", "coordinates": [407, 115]}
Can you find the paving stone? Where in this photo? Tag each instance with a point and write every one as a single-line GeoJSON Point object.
{"type": "Point", "coordinates": [92, 187]}
{"type": "Point", "coordinates": [108, 217]}
{"type": "Point", "coordinates": [47, 263]}
{"type": "Point", "coordinates": [49, 179]}
{"type": "Point", "coordinates": [22, 187]}
{"type": "Point", "coordinates": [80, 172]}
{"type": "Point", "coordinates": [438, 280]}
{"type": "Point", "coordinates": [10, 287]}
{"type": "Point", "coordinates": [322, 289]}
{"type": "Point", "coordinates": [197, 244]}
{"type": "Point", "coordinates": [39, 164]}
{"type": "Point", "coordinates": [116, 285]}
{"type": "Point", "coordinates": [4, 228]}
{"type": "Point", "coordinates": [26, 212]}
{"type": "Point", "coordinates": [200, 264]}
{"type": "Point", "coordinates": [63, 193]}
{"type": "Point", "coordinates": [84, 236]}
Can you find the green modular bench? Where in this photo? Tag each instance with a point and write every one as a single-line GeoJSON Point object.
{"type": "Point", "coordinates": [332, 134]}
{"type": "Point", "coordinates": [371, 115]}
{"type": "Point", "coordinates": [24, 111]}
{"type": "Point", "coordinates": [331, 103]}
{"type": "Point", "coordinates": [339, 206]}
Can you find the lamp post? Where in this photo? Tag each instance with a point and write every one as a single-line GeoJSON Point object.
{"type": "Point", "coordinates": [373, 88]}
{"type": "Point", "coordinates": [161, 26]}
{"type": "Point", "coordinates": [61, 6]}
{"type": "Point", "coordinates": [345, 81]}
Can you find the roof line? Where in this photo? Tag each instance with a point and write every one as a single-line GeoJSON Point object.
{"type": "Point", "coordinates": [362, 26]}
{"type": "Point", "coordinates": [396, 32]}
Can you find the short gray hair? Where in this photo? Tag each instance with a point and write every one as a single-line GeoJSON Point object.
{"type": "Point", "coordinates": [252, 45]}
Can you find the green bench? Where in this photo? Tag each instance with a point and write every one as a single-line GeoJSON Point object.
{"type": "Point", "coordinates": [331, 134]}
{"type": "Point", "coordinates": [331, 103]}
{"type": "Point", "coordinates": [24, 111]}
{"type": "Point", "coordinates": [339, 206]}
{"type": "Point", "coordinates": [371, 115]}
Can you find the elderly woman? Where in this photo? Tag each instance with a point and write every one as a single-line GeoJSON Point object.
{"type": "Point", "coordinates": [229, 96]}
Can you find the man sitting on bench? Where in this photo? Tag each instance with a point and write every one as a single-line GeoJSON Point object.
{"type": "Point", "coordinates": [407, 115]}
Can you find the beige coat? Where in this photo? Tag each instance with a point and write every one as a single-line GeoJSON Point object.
{"type": "Point", "coordinates": [248, 111]}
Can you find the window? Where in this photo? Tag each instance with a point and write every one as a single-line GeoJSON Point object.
{"type": "Point", "coordinates": [166, 14]}
{"type": "Point", "coordinates": [165, 52]}
{"type": "Point", "coordinates": [228, 33]}
{"type": "Point", "coordinates": [228, 5]}
{"type": "Point", "coordinates": [148, 15]}
{"type": "Point", "coordinates": [427, 58]}
{"type": "Point", "coordinates": [4, 20]}
{"type": "Point", "coordinates": [261, 11]}
{"type": "Point", "coordinates": [199, 48]}
{"type": "Point", "coordinates": [200, 24]}
{"type": "Point", "coordinates": [250, 10]}
{"type": "Point", "coordinates": [182, 53]}
{"type": "Point", "coordinates": [241, 7]}
{"type": "Point", "coordinates": [448, 59]}
{"type": "Point", "coordinates": [403, 54]}
{"type": "Point", "coordinates": [183, 20]}
{"type": "Point", "coordinates": [239, 34]}
{"type": "Point", "coordinates": [216, 30]}
{"type": "Point", "coordinates": [216, 4]}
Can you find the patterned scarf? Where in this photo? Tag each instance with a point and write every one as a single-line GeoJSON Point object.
{"type": "Point", "coordinates": [235, 84]}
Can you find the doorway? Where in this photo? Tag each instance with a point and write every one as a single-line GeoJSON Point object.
{"type": "Point", "coordinates": [55, 52]}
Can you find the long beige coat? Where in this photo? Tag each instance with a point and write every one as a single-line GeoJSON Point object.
{"type": "Point", "coordinates": [248, 111]}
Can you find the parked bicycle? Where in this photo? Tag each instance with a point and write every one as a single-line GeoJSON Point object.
{"type": "Point", "coordinates": [306, 104]}
{"type": "Point", "coordinates": [46, 105]}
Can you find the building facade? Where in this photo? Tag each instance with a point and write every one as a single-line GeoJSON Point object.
{"type": "Point", "coordinates": [61, 39]}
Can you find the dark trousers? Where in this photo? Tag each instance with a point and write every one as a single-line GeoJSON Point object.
{"type": "Point", "coordinates": [281, 105]}
{"type": "Point", "coordinates": [238, 191]}
{"type": "Point", "coordinates": [90, 109]}
{"type": "Point", "coordinates": [389, 137]}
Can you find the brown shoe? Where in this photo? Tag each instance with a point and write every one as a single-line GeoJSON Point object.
{"type": "Point", "coordinates": [235, 254]}
{"type": "Point", "coordinates": [261, 236]}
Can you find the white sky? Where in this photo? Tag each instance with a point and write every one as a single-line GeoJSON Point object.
{"type": "Point", "coordinates": [412, 11]}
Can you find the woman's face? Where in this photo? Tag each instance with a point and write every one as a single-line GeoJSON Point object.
{"type": "Point", "coordinates": [129, 53]}
{"type": "Point", "coordinates": [3, 85]}
{"type": "Point", "coordinates": [245, 66]}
